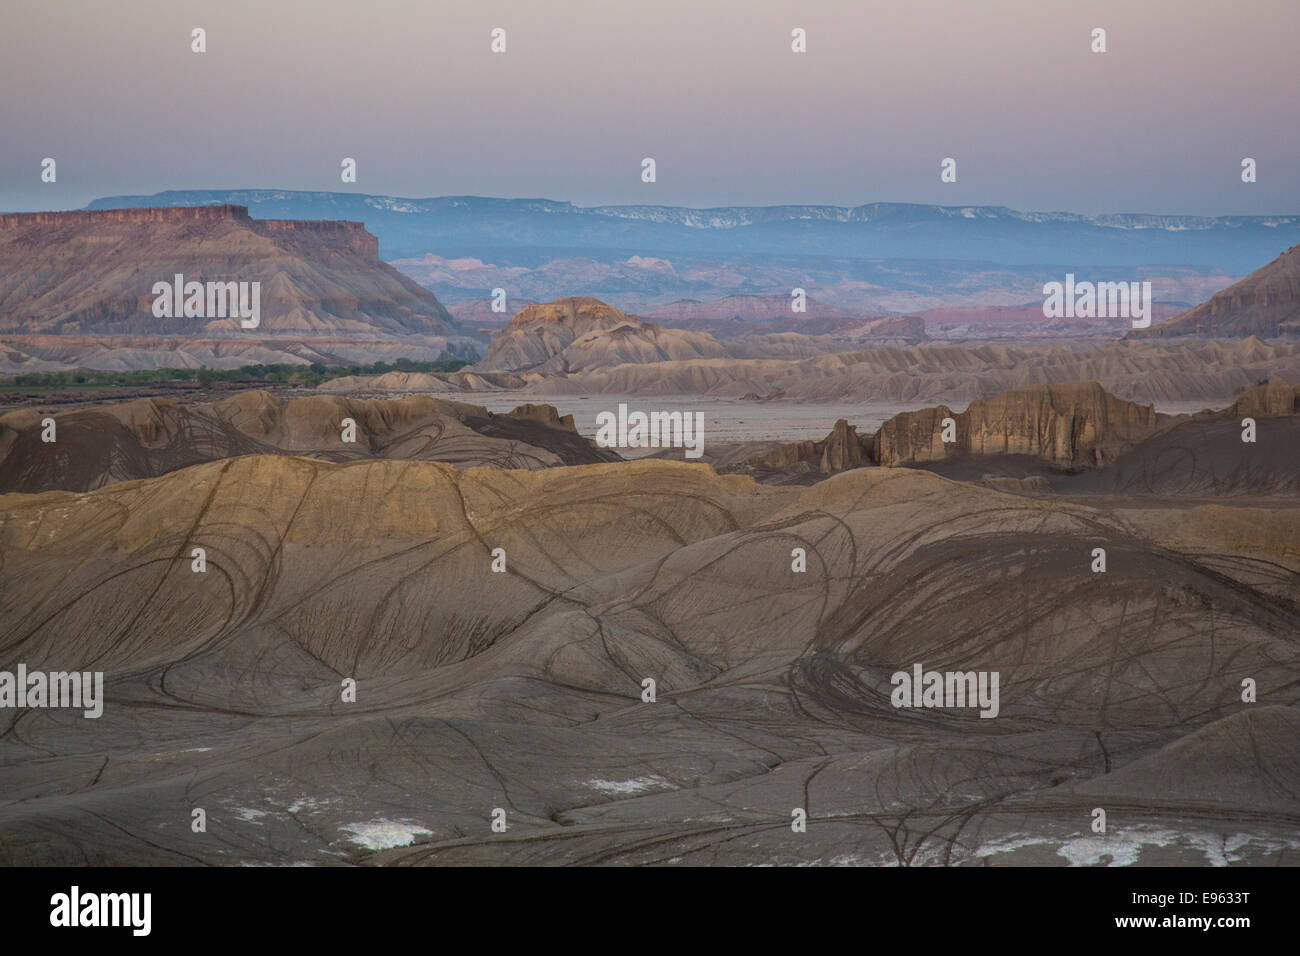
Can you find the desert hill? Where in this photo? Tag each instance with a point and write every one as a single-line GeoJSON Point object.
{"type": "Point", "coordinates": [570, 335]}
{"type": "Point", "coordinates": [1266, 303]}
{"type": "Point", "coordinates": [148, 437]}
{"type": "Point", "coordinates": [522, 689]}
{"type": "Point", "coordinates": [1031, 438]}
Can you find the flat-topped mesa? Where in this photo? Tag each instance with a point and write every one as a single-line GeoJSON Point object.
{"type": "Point", "coordinates": [130, 271]}
{"type": "Point", "coordinates": [354, 234]}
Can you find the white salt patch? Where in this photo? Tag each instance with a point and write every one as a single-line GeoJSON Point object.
{"type": "Point", "coordinates": [1126, 846]}
{"type": "Point", "coordinates": [639, 785]}
{"type": "Point", "coordinates": [249, 815]}
{"type": "Point", "coordinates": [384, 834]}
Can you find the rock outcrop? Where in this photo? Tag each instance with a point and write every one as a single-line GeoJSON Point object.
{"type": "Point", "coordinates": [842, 449]}
{"type": "Point", "coordinates": [1271, 399]}
{"type": "Point", "coordinates": [1077, 425]}
{"type": "Point", "coordinates": [797, 463]}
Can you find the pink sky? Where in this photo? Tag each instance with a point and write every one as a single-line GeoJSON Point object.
{"type": "Point", "coordinates": [711, 90]}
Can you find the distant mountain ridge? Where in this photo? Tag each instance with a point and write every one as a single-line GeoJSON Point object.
{"type": "Point", "coordinates": [525, 230]}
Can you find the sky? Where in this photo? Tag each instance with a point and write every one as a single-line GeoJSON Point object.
{"type": "Point", "coordinates": [710, 89]}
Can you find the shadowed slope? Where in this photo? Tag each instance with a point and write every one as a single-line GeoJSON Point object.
{"type": "Point", "coordinates": [149, 437]}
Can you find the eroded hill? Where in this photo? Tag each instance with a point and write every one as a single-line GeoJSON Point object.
{"type": "Point", "coordinates": [148, 437]}
{"type": "Point", "coordinates": [522, 689]}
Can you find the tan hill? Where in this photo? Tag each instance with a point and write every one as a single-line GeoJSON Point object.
{"type": "Point", "coordinates": [630, 343]}
{"type": "Point", "coordinates": [572, 335]}
{"type": "Point", "coordinates": [1266, 304]}
{"type": "Point", "coordinates": [522, 689]}
{"type": "Point", "coordinates": [90, 300]}
{"type": "Point", "coordinates": [147, 437]}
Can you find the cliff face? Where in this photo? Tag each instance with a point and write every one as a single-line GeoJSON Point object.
{"type": "Point", "coordinates": [913, 437]}
{"type": "Point", "coordinates": [1265, 303]}
{"type": "Point", "coordinates": [100, 217]}
{"type": "Point", "coordinates": [92, 272]}
{"type": "Point", "coordinates": [1069, 426]}
{"type": "Point", "coordinates": [842, 449]}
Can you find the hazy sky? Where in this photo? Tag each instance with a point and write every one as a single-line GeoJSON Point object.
{"type": "Point", "coordinates": [709, 88]}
